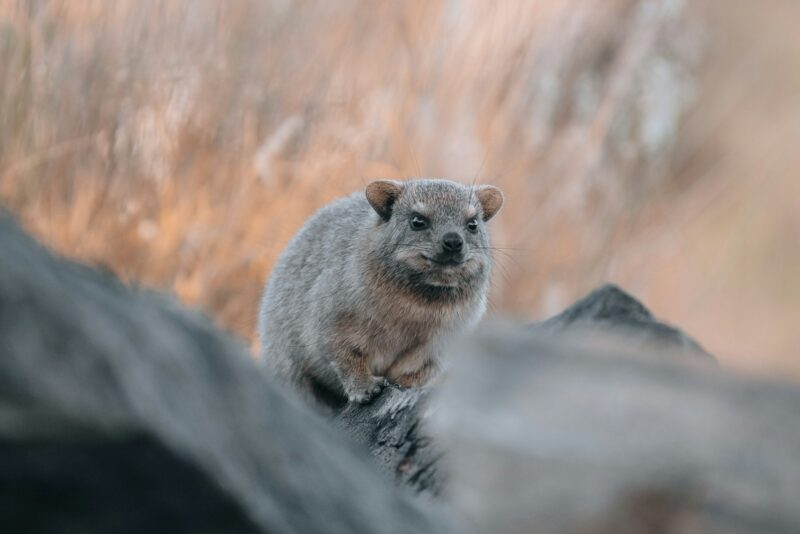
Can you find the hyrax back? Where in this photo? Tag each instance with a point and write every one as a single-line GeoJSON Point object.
{"type": "Point", "coordinates": [370, 286]}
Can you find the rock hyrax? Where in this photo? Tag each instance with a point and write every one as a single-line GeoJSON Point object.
{"type": "Point", "coordinates": [369, 287]}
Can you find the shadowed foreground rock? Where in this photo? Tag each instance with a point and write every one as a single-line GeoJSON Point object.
{"type": "Point", "coordinates": [120, 412]}
{"type": "Point", "coordinates": [590, 441]}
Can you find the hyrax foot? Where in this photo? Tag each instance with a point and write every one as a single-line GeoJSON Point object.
{"type": "Point", "coordinates": [364, 392]}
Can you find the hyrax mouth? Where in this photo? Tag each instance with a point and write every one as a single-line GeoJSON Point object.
{"type": "Point", "coordinates": [447, 261]}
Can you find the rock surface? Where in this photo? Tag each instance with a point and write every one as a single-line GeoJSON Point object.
{"type": "Point", "coordinates": [121, 412]}
{"type": "Point", "coordinates": [547, 437]}
{"type": "Point", "coordinates": [610, 314]}
{"type": "Point", "coordinates": [392, 428]}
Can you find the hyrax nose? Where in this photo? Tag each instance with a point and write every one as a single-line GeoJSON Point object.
{"type": "Point", "coordinates": [452, 242]}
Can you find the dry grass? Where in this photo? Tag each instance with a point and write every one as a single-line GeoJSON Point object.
{"type": "Point", "coordinates": [653, 143]}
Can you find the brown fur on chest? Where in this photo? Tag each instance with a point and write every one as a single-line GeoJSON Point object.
{"type": "Point", "coordinates": [374, 332]}
{"type": "Point", "coordinates": [386, 345]}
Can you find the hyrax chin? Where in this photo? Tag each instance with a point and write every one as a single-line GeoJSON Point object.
{"type": "Point", "coordinates": [370, 286]}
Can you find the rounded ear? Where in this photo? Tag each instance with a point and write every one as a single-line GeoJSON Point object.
{"type": "Point", "coordinates": [382, 194]}
{"type": "Point", "coordinates": [491, 199]}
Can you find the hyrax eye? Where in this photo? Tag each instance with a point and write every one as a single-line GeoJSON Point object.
{"type": "Point", "coordinates": [418, 222]}
{"type": "Point", "coordinates": [472, 225]}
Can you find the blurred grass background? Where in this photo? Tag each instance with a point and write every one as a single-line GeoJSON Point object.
{"type": "Point", "coordinates": [653, 143]}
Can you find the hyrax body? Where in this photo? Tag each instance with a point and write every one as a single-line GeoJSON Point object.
{"type": "Point", "coordinates": [367, 290]}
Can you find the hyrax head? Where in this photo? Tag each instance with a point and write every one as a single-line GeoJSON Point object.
{"type": "Point", "coordinates": [433, 232]}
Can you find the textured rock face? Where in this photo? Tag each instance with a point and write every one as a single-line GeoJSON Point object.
{"type": "Point", "coordinates": [545, 436]}
{"type": "Point", "coordinates": [393, 429]}
{"type": "Point", "coordinates": [120, 412]}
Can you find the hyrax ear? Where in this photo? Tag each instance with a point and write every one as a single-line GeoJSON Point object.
{"type": "Point", "coordinates": [382, 194]}
{"type": "Point", "coordinates": [491, 199]}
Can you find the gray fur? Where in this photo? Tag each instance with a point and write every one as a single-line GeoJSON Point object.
{"type": "Point", "coordinates": [355, 299]}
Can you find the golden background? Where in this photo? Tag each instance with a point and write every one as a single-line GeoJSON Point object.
{"type": "Point", "coordinates": [651, 143]}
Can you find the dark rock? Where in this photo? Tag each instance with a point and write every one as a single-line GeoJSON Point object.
{"type": "Point", "coordinates": [391, 427]}
{"type": "Point", "coordinates": [102, 483]}
{"type": "Point", "coordinates": [545, 436]}
{"type": "Point", "coordinates": [613, 312]}
{"type": "Point", "coordinates": [122, 412]}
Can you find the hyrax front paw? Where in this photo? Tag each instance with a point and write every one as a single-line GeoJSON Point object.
{"type": "Point", "coordinates": [365, 391]}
